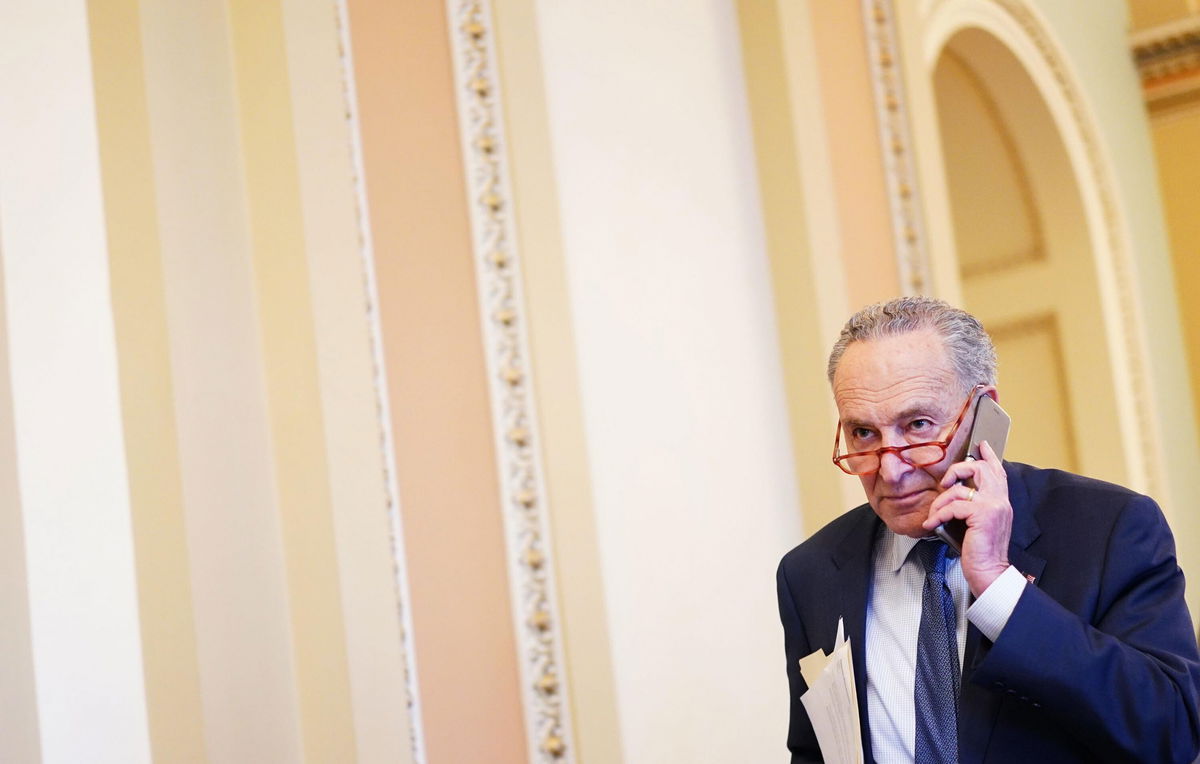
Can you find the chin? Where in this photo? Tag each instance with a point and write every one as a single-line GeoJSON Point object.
{"type": "Point", "coordinates": [917, 532]}
{"type": "Point", "coordinates": [908, 525]}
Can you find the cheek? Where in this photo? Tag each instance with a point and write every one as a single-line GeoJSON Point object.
{"type": "Point", "coordinates": [868, 482]}
{"type": "Point", "coordinates": [936, 471]}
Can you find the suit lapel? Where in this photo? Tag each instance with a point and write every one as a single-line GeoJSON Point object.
{"type": "Point", "coordinates": [852, 573]}
{"type": "Point", "coordinates": [979, 706]}
{"type": "Point", "coordinates": [1025, 529]}
{"type": "Point", "coordinates": [852, 564]}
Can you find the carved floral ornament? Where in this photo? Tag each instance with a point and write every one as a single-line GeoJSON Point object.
{"type": "Point", "coordinates": [523, 495]}
{"type": "Point", "coordinates": [896, 141]}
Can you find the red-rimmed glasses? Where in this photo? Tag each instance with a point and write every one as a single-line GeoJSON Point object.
{"type": "Point", "coordinates": [916, 454]}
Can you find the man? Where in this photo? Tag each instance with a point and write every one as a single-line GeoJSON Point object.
{"type": "Point", "coordinates": [1059, 635]}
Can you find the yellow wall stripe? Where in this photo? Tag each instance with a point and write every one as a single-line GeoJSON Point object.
{"type": "Point", "coordinates": [289, 360]}
{"type": "Point", "coordinates": [147, 393]}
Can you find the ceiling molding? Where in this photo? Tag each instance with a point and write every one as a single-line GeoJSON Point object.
{"type": "Point", "coordinates": [1168, 63]}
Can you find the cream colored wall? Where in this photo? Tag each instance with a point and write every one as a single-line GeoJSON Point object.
{"type": "Point", "coordinates": [202, 569]}
{"type": "Point", "coordinates": [1015, 284]}
{"type": "Point", "coordinates": [244, 646]}
{"type": "Point", "coordinates": [1175, 127]}
{"type": "Point", "coordinates": [1175, 142]}
{"type": "Point", "coordinates": [683, 406]}
{"type": "Point", "coordinates": [432, 356]}
{"type": "Point", "coordinates": [699, 201]}
{"type": "Point", "coordinates": [810, 227]}
{"type": "Point", "coordinates": [1148, 13]}
{"type": "Point", "coordinates": [371, 576]}
{"type": "Point", "coordinates": [19, 728]}
{"type": "Point", "coordinates": [71, 472]}
{"type": "Point", "coordinates": [842, 73]}
{"type": "Point", "coordinates": [296, 428]}
{"type": "Point", "coordinates": [1113, 98]}
{"type": "Point", "coordinates": [569, 489]}
{"type": "Point", "coordinates": [147, 393]}
{"type": "Point", "coordinates": [1085, 73]}
{"type": "Point", "coordinates": [1111, 88]}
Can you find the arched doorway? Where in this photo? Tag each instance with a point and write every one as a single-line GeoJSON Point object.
{"type": "Point", "coordinates": [1025, 254]}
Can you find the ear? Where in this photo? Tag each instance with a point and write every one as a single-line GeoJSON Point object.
{"type": "Point", "coordinates": [991, 392]}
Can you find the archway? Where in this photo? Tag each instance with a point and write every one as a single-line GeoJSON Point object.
{"type": "Point", "coordinates": [1025, 253]}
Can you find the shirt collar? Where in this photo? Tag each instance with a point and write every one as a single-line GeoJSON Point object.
{"type": "Point", "coordinates": [894, 549]}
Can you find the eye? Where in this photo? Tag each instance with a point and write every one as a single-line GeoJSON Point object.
{"type": "Point", "coordinates": [859, 434]}
{"type": "Point", "coordinates": [920, 425]}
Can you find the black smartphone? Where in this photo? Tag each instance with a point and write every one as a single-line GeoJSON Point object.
{"type": "Point", "coordinates": [991, 424]}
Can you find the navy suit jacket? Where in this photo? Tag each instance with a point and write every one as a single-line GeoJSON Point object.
{"type": "Point", "coordinates": [1097, 663]}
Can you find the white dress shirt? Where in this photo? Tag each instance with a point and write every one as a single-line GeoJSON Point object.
{"type": "Point", "coordinates": [893, 621]}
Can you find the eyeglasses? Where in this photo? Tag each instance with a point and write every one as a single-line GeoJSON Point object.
{"type": "Point", "coordinates": [916, 454]}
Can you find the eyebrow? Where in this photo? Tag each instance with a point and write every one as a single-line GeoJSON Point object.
{"type": "Point", "coordinates": [923, 408]}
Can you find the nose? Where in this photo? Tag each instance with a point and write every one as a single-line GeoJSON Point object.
{"type": "Point", "coordinates": [892, 468]}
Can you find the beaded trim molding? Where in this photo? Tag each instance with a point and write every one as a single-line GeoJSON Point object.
{"type": "Point", "coordinates": [366, 253]}
{"type": "Point", "coordinates": [506, 348]}
{"type": "Point", "coordinates": [896, 144]}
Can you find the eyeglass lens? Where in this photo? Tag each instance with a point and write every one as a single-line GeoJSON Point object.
{"type": "Point", "coordinates": [920, 455]}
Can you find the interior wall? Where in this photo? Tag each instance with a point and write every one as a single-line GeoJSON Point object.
{"type": "Point", "coordinates": [248, 440]}
{"type": "Point", "coordinates": [1175, 140]}
{"type": "Point", "coordinates": [798, 181]}
{"type": "Point", "coordinates": [683, 405]}
{"type": "Point", "coordinates": [1171, 87]}
{"type": "Point", "coordinates": [1111, 91]}
{"type": "Point", "coordinates": [1164, 42]}
{"type": "Point", "coordinates": [244, 644]}
{"type": "Point", "coordinates": [168, 626]}
{"type": "Point", "coordinates": [289, 362]}
{"type": "Point", "coordinates": [1091, 91]}
{"type": "Point", "coordinates": [554, 372]}
{"type": "Point", "coordinates": [856, 153]}
{"type": "Point", "coordinates": [19, 727]}
{"type": "Point", "coordinates": [163, 289]}
{"type": "Point", "coordinates": [1021, 232]}
{"type": "Point", "coordinates": [70, 468]}
{"type": "Point", "coordinates": [1149, 13]}
{"type": "Point", "coordinates": [432, 356]}
{"type": "Point", "coordinates": [371, 576]}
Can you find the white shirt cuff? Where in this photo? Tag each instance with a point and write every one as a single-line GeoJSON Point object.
{"type": "Point", "coordinates": [992, 609]}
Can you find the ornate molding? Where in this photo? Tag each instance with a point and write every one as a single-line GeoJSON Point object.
{"type": "Point", "coordinates": [1168, 62]}
{"type": "Point", "coordinates": [388, 455]}
{"type": "Point", "coordinates": [1121, 258]}
{"type": "Point", "coordinates": [503, 313]}
{"type": "Point", "coordinates": [891, 110]}
{"type": "Point", "coordinates": [879, 14]}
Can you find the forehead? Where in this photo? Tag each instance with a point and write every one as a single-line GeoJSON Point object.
{"type": "Point", "coordinates": [883, 377]}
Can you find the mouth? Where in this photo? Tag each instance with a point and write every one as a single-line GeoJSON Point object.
{"type": "Point", "coordinates": [907, 501]}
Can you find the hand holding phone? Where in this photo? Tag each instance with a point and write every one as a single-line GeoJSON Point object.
{"type": "Point", "coordinates": [991, 424]}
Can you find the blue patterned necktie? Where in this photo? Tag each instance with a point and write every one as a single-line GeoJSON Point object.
{"type": "Point", "coordinates": [935, 695]}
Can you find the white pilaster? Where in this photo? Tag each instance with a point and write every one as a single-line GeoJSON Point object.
{"type": "Point", "coordinates": [70, 453]}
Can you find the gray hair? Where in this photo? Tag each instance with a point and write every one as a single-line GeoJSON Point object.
{"type": "Point", "coordinates": [968, 345]}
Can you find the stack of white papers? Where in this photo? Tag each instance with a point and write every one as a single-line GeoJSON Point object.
{"type": "Point", "coordinates": [832, 703]}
